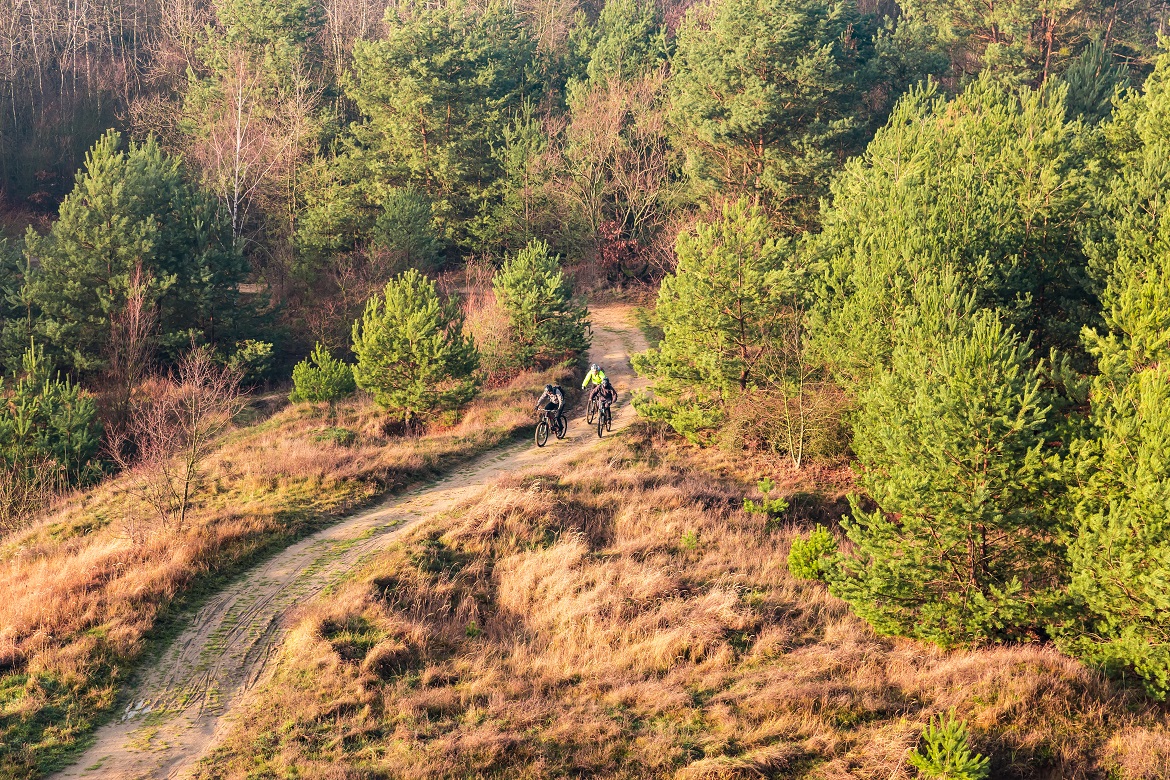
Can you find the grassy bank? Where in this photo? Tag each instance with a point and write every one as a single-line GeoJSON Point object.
{"type": "Point", "coordinates": [627, 619]}
{"type": "Point", "coordinates": [84, 592]}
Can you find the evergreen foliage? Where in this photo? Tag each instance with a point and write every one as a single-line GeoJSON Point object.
{"type": "Point", "coordinates": [435, 96]}
{"type": "Point", "coordinates": [547, 324]}
{"type": "Point", "coordinates": [952, 442]}
{"type": "Point", "coordinates": [627, 41]}
{"type": "Point", "coordinates": [251, 361]}
{"type": "Point", "coordinates": [720, 320]}
{"type": "Point", "coordinates": [1092, 81]}
{"type": "Point", "coordinates": [130, 207]}
{"type": "Point", "coordinates": [261, 24]}
{"type": "Point", "coordinates": [47, 423]}
{"type": "Point", "coordinates": [763, 94]}
{"type": "Point", "coordinates": [1120, 556]}
{"type": "Point", "coordinates": [15, 327]}
{"type": "Point", "coordinates": [405, 229]}
{"type": "Point", "coordinates": [946, 754]}
{"type": "Point", "coordinates": [769, 505]}
{"type": "Point", "coordinates": [411, 350]}
{"type": "Point", "coordinates": [994, 184]}
{"type": "Point", "coordinates": [811, 558]}
{"type": "Point", "coordinates": [321, 377]}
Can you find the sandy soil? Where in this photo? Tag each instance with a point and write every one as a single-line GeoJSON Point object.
{"type": "Point", "coordinates": [184, 701]}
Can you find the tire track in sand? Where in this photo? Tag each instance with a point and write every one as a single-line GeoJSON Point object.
{"type": "Point", "coordinates": [179, 704]}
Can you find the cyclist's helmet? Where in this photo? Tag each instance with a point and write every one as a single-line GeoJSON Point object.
{"type": "Point", "coordinates": [605, 383]}
{"type": "Point", "coordinates": [548, 388]}
{"type": "Point", "coordinates": [594, 367]}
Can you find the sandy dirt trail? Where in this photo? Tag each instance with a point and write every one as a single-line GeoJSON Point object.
{"type": "Point", "coordinates": [183, 702]}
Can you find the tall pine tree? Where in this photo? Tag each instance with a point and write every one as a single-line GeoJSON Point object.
{"type": "Point", "coordinates": [1121, 554]}
{"type": "Point", "coordinates": [132, 208]}
{"type": "Point", "coordinates": [960, 546]}
{"type": "Point", "coordinates": [995, 184]}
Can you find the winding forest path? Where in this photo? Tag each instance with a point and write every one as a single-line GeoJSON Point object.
{"type": "Point", "coordinates": [182, 703]}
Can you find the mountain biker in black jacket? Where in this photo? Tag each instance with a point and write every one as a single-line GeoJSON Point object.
{"type": "Point", "coordinates": [606, 392]}
{"type": "Point", "coordinates": [553, 400]}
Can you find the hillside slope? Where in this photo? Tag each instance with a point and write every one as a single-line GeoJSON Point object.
{"type": "Point", "coordinates": [624, 618]}
{"type": "Point", "coordinates": [174, 713]}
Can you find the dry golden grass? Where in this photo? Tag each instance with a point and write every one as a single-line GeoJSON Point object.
{"type": "Point", "coordinates": [81, 591]}
{"type": "Point", "coordinates": [627, 620]}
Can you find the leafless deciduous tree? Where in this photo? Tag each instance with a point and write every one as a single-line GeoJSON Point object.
{"type": "Point", "coordinates": [616, 159]}
{"type": "Point", "coordinates": [129, 349]}
{"type": "Point", "coordinates": [173, 434]}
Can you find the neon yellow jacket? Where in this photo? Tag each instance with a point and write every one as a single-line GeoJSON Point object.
{"type": "Point", "coordinates": [596, 377]}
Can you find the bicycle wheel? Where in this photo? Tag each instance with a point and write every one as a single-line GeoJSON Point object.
{"type": "Point", "coordinates": [608, 419]}
{"type": "Point", "coordinates": [541, 432]}
{"type": "Point", "coordinates": [592, 413]}
{"type": "Point", "coordinates": [562, 427]}
{"type": "Point", "coordinates": [600, 423]}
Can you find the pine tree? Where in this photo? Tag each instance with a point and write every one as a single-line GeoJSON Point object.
{"type": "Point", "coordinates": [1120, 556]}
{"type": "Point", "coordinates": [15, 328]}
{"type": "Point", "coordinates": [321, 377]}
{"type": "Point", "coordinates": [720, 313]}
{"type": "Point", "coordinates": [1092, 80]}
{"type": "Point", "coordinates": [436, 95]}
{"type": "Point", "coordinates": [994, 183]}
{"type": "Point", "coordinates": [547, 324]}
{"type": "Point", "coordinates": [627, 41]}
{"type": "Point", "coordinates": [764, 95]}
{"type": "Point", "coordinates": [412, 352]}
{"type": "Point", "coordinates": [405, 230]}
{"type": "Point", "coordinates": [951, 442]}
{"type": "Point", "coordinates": [47, 422]}
{"type": "Point", "coordinates": [131, 209]}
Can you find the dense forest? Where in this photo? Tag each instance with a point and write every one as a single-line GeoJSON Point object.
{"type": "Point", "coordinates": [927, 239]}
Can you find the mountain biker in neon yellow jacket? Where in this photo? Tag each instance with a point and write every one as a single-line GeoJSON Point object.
{"type": "Point", "coordinates": [595, 377]}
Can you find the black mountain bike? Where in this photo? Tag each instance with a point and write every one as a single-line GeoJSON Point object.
{"type": "Point", "coordinates": [604, 418]}
{"type": "Point", "coordinates": [591, 411]}
{"type": "Point", "coordinates": [550, 421]}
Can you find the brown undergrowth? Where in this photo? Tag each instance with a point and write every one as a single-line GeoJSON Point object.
{"type": "Point", "coordinates": [626, 619]}
{"type": "Point", "coordinates": [82, 591]}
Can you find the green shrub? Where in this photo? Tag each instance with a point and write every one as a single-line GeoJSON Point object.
{"type": "Point", "coordinates": [46, 421]}
{"type": "Point", "coordinates": [807, 560]}
{"type": "Point", "coordinates": [252, 360]}
{"type": "Point", "coordinates": [767, 505]}
{"type": "Point", "coordinates": [341, 436]}
{"type": "Point", "coordinates": [320, 377]}
{"type": "Point", "coordinates": [945, 753]}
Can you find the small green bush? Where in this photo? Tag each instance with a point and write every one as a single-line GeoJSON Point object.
{"type": "Point", "coordinates": [690, 539]}
{"type": "Point", "coordinates": [253, 360]}
{"type": "Point", "coordinates": [767, 505]}
{"type": "Point", "coordinates": [321, 378]}
{"type": "Point", "coordinates": [945, 753]}
{"type": "Point", "coordinates": [341, 436]}
{"type": "Point", "coordinates": [807, 558]}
